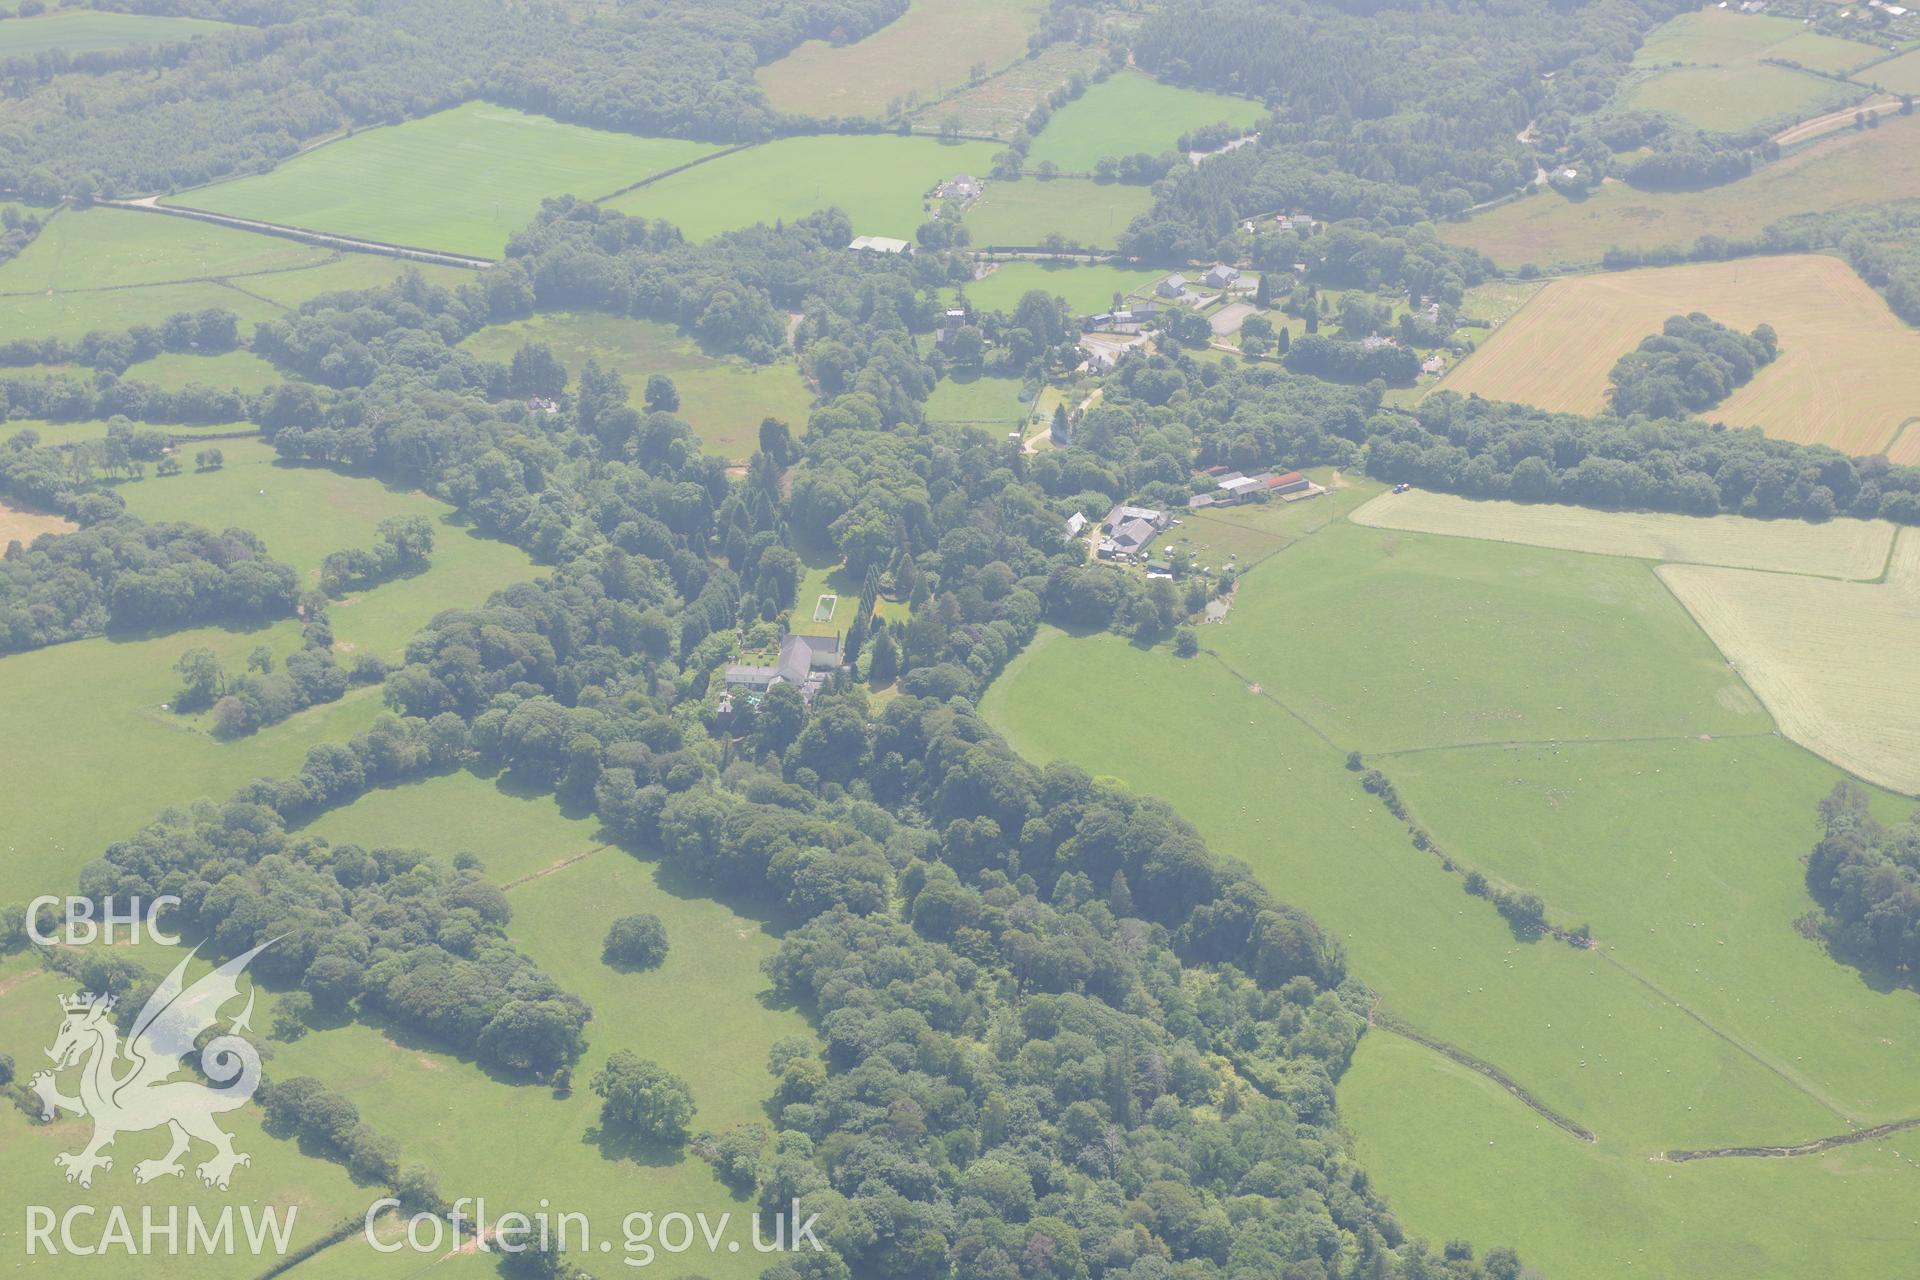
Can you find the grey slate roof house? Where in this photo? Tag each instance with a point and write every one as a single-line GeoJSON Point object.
{"type": "Point", "coordinates": [802, 660]}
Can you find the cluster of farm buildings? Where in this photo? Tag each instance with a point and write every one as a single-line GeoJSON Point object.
{"type": "Point", "coordinates": [1128, 531]}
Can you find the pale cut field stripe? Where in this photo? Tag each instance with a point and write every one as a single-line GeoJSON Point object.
{"type": "Point", "coordinates": [1837, 663]}
{"type": "Point", "coordinates": [1833, 549]}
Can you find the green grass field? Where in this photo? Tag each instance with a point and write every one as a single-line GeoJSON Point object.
{"type": "Point", "coordinates": [100, 247]}
{"type": "Point", "coordinates": [461, 180]}
{"type": "Point", "coordinates": [302, 513]}
{"type": "Point", "coordinates": [982, 401]}
{"type": "Point", "coordinates": [880, 181]}
{"type": "Point", "coordinates": [1899, 75]}
{"type": "Point", "coordinates": [88, 30]}
{"type": "Point", "coordinates": [1726, 99]}
{"type": "Point", "coordinates": [1683, 854]}
{"type": "Point", "coordinates": [1846, 167]}
{"type": "Point", "coordinates": [112, 268]}
{"type": "Point", "coordinates": [1087, 289]}
{"type": "Point", "coordinates": [724, 398]}
{"type": "Point", "coordinates": [1082, 211]}
{"type": "Point", "coordinates": [518, 1143]}
{"type": "Point", "coordinates": [1359, 632]}
{"type": "Point", "coordinates": [240, 370]}
{"type": "Point", "coordinates": [1131, 112]}
{"type": "Point", "coordinates": [1721, 37]}
{"type": "Point", "coordinates": [280, 1176]}
{"type": "Point", "coordinates": [928, 51]}
{"type": "Point", "coordinates": [96, 429]}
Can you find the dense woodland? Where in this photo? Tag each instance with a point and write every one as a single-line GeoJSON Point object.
{"type": "Point", "coordinates": [177, 115]}
{"type": "Point", "coordinates": [1398, 113]}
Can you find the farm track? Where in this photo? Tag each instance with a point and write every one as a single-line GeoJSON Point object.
{"type": "Point", "coordinates": [1814, 1147]}
{"type": "Point", "coordinates": [1562, 742]}
{"type": "Point", "coordinates": [306, 235]}
{"type": "Point", "coordinates": [1727, 1037]}
{"type": "Point", "coordinates": [553, 867]}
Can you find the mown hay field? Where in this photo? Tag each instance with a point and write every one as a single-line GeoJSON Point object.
{"type": "Point", "coordinates": [1848, 373]}
{"type": "Point", "coordinates": [723, 398]}
{"type": "Point", "coordinates": [1838, 664]}
{"type": "Point", "coordinates": [1833, 549]}
{"type": "Point", "coordinates": [1906, 450]}
{"type": "Point", "coordinates": [1082, 211]}
{"type": "Point", "coordinates": [881, 182]}
{"type": "Point", "coordinates": [1130, 112]}
{"type": "Point", "coordinates": [1851, 167]}
{"type": "Point", "coordinates": [460, 180]}
{"type": "Point", "coordinates": [927, 51]}
{"type": "Point", "coordinates": [24, 526]}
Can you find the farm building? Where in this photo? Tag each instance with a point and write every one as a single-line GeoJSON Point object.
{"type": "Point", "coordinates": [804, 661]}
{"type": "Point", "coordinates": [1173, 286]}
{"type": "Point", "coordinates": [879, 244]}
{"type": "Point", "coordinates": [1286, 482]}
{"type": "Point", "coordinates": [1129, 530]}
{"type": "Point", "coordinates": [963, 187]}
{"type": "Point", "coordinates": [1076, 524]}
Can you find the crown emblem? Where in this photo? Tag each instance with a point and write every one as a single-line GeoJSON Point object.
{"type": "Point", "coordinates": [82, 1001]}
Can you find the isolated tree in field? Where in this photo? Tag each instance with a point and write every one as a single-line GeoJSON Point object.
{"type": "Point", "coordinates": [661, 395]}
{"type": "Point", "coordinates": [1185, 643]}
{"type": "Point", "coordinates": [643, 1098]}
{"type": "Point", "coordinates": [260, 660]}
{"type": "Point", "coordinates": [636, 942]}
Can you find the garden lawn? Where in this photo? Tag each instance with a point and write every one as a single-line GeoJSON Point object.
{"type": "Point", "coordinates": [880, 181]}
{"type": "Point", "coordinates": [460, 181]}
{"type": "Point", "coordinates": [1079, 210]}
{"type": "Point", "coordinates": [978, 401]}
{"type": "Point", "coordinates": [724, 398]}
{"type": "Point", "coordinates": [1131, 112]}
{"type": "Point", "coordinates": [1087, 288]}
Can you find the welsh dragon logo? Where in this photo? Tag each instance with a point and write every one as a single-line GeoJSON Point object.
{"type": "Point", "coordinates": [127, 1087]}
